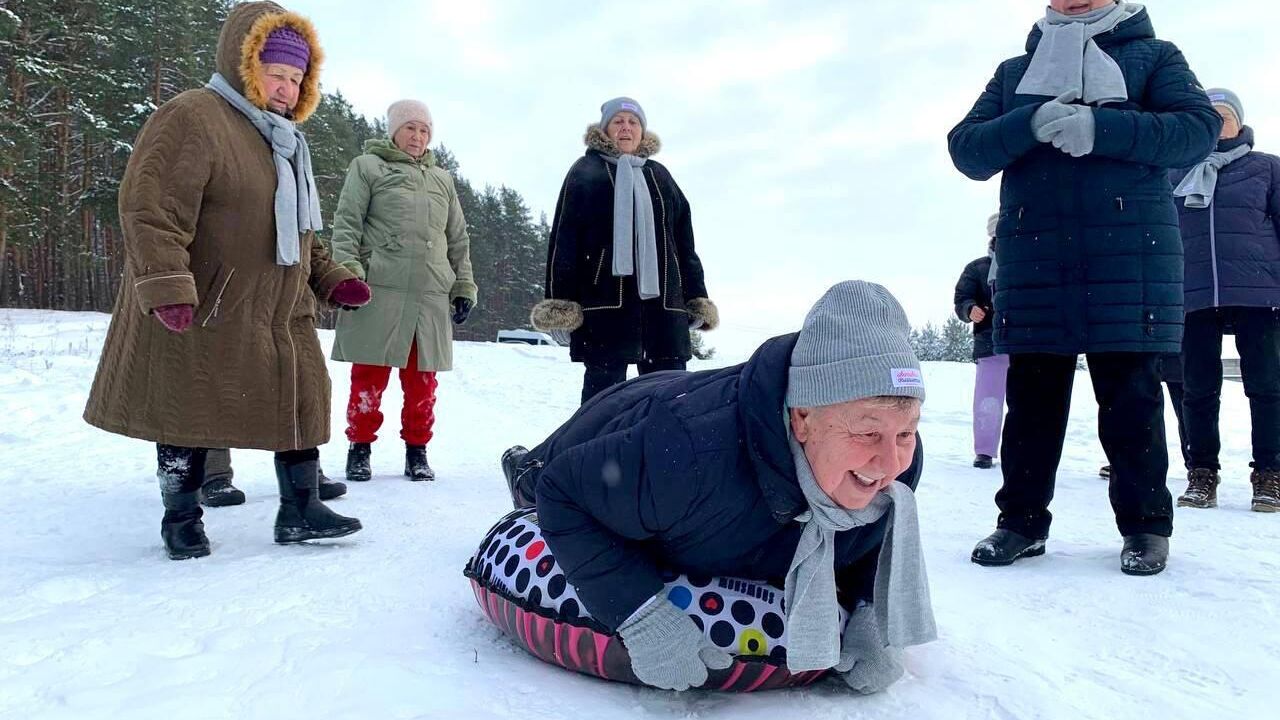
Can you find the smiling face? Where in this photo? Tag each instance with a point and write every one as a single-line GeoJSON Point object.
{"type": "Point", "coordinates": [1078, 7]}
{"type": "Point", "coordinates": [625, 130]}
{"type": "Point", "coordinates": [282, 85]}
{"type": "Point", "coordinates": [413, 138]}
{"type": "Point", "coordinates": [857, 448]}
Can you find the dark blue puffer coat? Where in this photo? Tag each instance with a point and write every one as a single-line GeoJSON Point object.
{"type": "Point", "coordinates": [1088, 248]}
{"type": "Point", "coordinates": [1233, 246]}
{"type": "Point", "coordinates": [690, 472]}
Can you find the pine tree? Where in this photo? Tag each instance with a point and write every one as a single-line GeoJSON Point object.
{"type": "Point", "coordinates": [957, 341]}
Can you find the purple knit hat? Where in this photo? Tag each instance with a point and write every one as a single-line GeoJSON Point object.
{"type": "Point", "coordinates": [287, 47]}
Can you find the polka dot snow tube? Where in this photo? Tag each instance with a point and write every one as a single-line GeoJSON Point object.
{"type": "Point", "coordinates": [522, 590]}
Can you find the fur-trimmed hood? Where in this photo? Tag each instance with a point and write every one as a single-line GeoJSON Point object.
{"type": "Point", "coordinates": [596, 139]}
{"type": "Point", "coordinates": [241, 40]}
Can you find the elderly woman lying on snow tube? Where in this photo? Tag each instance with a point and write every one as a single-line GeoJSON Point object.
{"type": "Point", "coordinates": [788, 469]}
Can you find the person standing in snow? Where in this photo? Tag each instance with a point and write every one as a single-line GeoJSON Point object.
{"type": "Point", "coordinates": [212, 340]}
{"type": "Point", "coordinates": [622, 273]}
{"type": "Point", "coordinates": [1170, 371]}
{"type": "Point", "coordinates": [399, 226]}
{"type": "Point", "coordinates": [217, 490]}
{"type": "Point", "coordinates": [1229, 206]}
{"type": "Point", "coordinates": [973, 304]}
{"type": "Point", "coordinates": [791, 468]}
{"type": "Point", "coordinates": [1089, 255]}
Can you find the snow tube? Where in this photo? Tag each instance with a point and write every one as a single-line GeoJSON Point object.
{"type": "Point", "coordinates": [522, 590]}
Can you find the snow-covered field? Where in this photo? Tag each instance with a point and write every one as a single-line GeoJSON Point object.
{"type": "Point", "coordinates": [95, 622]}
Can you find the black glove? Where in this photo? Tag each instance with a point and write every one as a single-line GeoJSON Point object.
{"type": "Point", "coordinates": [461, 310]}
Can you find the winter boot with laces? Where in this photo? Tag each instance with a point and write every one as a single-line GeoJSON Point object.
{"type": "Point", "coordinates": [1266, 490]}
{"type": "Point", "coordinates": [358, 463]}
{"type": "Point", "coordinates": [1202, 489]}
{"type": "Point", "coordinates": [302, 516]}
{"type": "Point", "coordinates": [415, 463]}
{"type": "Point", "coordinates": [181, 471]}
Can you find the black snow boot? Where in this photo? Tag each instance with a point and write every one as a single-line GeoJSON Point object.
{"type": "Point", "coordinates": [1144, 554]}
{"type": "Point", "coordinates": [982, 462]}
{"type": "Point", "coordinates": [1266, 490]}
{"type": "Point", "coordinates": [1202, 489]}
{"type": "Point", "coordinates": [302, 516]}
{"type": "Point", "coordinates": [329, 488]}
{"type": "Point", "coordinates": [181, 471]}
{"type": "Point", "coordinates": [220, 493]}
{"type": "Point", "coordinates": [1104, 472]}
{"type": "Point", "coordinates": [415, 463]}
{"type": "Point", "coordinates": [516, 471]}
{"type": "Point", "coordinates": [358, 463]}
{"type": "Point", "coordinates": [1003, 547]}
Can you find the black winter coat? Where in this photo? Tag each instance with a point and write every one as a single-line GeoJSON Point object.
{"type": "Point", "coordinates": [617, 325]}
{"type": "Point", "coordinates": [1233, 246]}
{"type": "Point", "coordinates": [690, 472]}
{"type": "Point", "coordinates": [1089, 250]}
{"type": "Point", "coordinates": [973, 291]}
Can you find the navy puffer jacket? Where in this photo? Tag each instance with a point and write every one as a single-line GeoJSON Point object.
{"type": "Point", "coordinates": [1233, 246]}
{"type": "Point", "coordinates": [1089, 252]}
{"type": "Point", "coordinates": [686, 471]}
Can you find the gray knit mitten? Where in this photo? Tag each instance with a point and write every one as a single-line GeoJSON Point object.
{"type": "Point", "coordinates": [667, 650]}
{"type": "Point", "coordinates": [1074, 135]}
{"type": "Point", "coordinates": [866, 664]}
{"type": "Point", "coordinates": [1054, 110]}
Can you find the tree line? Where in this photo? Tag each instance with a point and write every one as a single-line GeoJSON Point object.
{"type": "Point", "coordinates": [952, 343]}
{"type": "Point", "coordinates": [79, 79]}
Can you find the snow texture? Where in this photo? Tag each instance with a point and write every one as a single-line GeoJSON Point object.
{"type": "Point", "coordinates": [95, 622]}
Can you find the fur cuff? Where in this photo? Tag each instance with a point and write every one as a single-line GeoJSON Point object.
{"type": "Point", "coordinates": [553, 314]}
{"type": "Point", "coordinates": [706, 311]}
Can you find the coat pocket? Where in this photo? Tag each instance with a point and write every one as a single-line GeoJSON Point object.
{"type": "Point", "coordinates": [215, 305]}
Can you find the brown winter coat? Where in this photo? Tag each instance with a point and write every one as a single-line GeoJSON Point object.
{"type": "Point", "coordinates": [196, 206]}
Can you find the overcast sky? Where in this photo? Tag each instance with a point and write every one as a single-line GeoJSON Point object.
{"type": "Point", "coordinates": [809, 137]}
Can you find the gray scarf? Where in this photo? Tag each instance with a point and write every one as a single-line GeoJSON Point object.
{"type": "Point", "coordinates": [903, 609]}
{"type": "Point", "coordinates": [1068, 60]}
{"type": "Point", "coordinates": [634, 231]}
{"type": "Point", "coordinates": [1199, 184]}
{"type": "Point", "coordinates": [297, 204]}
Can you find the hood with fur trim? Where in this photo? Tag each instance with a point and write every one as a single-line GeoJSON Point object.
{"type": "Point", "coordinates": [241, 40]}
{"type": "Point", "coordinates": [597, 140]}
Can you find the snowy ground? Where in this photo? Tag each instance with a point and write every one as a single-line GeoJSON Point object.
{"type": "Point", "coordinates": [96, 623]}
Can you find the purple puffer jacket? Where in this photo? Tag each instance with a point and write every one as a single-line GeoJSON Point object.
{"type": "Point", "coordinates": [1233, 246]}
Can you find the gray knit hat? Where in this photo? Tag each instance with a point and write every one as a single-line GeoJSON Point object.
{"type": "Point", "coordinates": [1223, 96]}
{"type": "Point", "coordinates": [855, 344]}
{"type": "Point", "coordinates": [992, 223]}
{"type": "Point", "coordinates": [621, 104]}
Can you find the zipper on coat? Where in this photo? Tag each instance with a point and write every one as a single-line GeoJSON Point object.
{"type": "Point", "coordinates": [599, 268]}
{"type": "Point", "coordinates": [217, 301]}
{"type": "Point", "coordinates": [1120, 203]}
{"type": "Point", "coordinates": [1213, 251]}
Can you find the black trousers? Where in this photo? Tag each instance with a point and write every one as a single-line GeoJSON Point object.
{"type": "Point", "coordinates": [602, 376]}
{"type": "Point", "coordinates": [1130, 426]}
{"type": "Point", "coordinates": [1177, 393]}
{"type": "Point", "coordinates": [1257, 332]}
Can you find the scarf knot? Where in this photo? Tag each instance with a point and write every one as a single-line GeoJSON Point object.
{"type": "Point", "coordinates": [1201, 182]}
{"type": "Point", "coordinates": [1069, 60]}
{"type": "Point", "coordinates": [635, 238]}
{"type": "Point", "coordinates": [297, 201]}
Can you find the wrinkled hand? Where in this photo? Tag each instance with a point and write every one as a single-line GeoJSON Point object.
{"type": "Point", "coordinates": [1054, 110]}
{"type": "Point", "coordinates": [175, 318]}
{"type": "Point", "coordinates": [461, 310]}
{"type": "Point", "coordinates": [977, 314]}
{"type": "Point", "coordinates": [351, 294]}
{"type": "Point", "coordinates": [1074, 135]}
{"type": "Point", "coordinates": [667, 650]}
{"type": "Point", "coordinates": [866, 664]}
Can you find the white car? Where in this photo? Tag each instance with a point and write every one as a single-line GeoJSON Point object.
{"type": "Point", "coordinates": [526, 337]}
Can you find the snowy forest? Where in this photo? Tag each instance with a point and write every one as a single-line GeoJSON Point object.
{"type": "Point", "coordinates": [79, 79]}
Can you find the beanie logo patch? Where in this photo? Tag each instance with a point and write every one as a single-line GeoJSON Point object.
{"type": "Point", "coordinates": [1217, 97]}
{"type": "Point", "coordinates": [906, 377]}
{"type": "Point", "coordinates": [629, 106]}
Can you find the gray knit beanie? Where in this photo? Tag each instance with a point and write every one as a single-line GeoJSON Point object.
{"type": "Point", "coordinates": [992, 223]}
{"type": "Point", "coordinates": [621, 104]}
{"type": "Point", "coordinates": [1223, 96]}
{"type": "Point", "coordinates": [855, 344]}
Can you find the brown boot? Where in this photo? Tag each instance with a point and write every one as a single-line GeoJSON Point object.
{"type": "Point", "coordinates": [1266, 490]}
{"type": "Point", "coordinates": [1202, 489]}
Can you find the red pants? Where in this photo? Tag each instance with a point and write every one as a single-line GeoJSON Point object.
{"type": "Point", "coordinates": [367, 385]}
